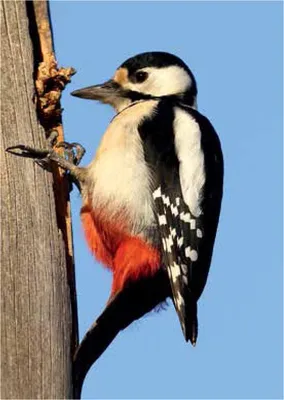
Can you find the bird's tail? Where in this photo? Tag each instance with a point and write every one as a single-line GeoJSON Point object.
{"type": "Point", "coordinates": [191, 322]}
{"type": "Point", "coordinates": [135, 300]}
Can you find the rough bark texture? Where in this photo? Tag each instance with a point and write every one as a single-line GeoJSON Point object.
{"type": "Point", "coordinates": [36, 317]}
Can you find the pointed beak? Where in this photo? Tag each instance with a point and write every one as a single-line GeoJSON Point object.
{"type": "Point", "coordinates": [107, 92]}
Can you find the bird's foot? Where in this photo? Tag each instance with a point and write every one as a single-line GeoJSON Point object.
{"type": "Point", "coordinates": [73, 152]}
{"type": "Point", "coordinates": [72, 155]}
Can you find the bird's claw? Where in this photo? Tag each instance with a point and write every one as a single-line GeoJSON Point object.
{"type": "Point", "coordinates": [72, 155]}
{"type": "Point", "coordinates": [30, 152]}
{"type": "Point", "coordinates": [43, 157]}
{"type": "Point", "coordinates": [22, 150]}
{"type": "Point", "coordinates": [73, 152]}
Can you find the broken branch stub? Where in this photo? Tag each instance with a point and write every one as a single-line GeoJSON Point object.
{"type": "Point", "coordinates": [50, 83]}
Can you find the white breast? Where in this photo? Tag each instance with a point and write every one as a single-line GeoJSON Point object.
{"type": "Point", "coordinates": [119, 176]}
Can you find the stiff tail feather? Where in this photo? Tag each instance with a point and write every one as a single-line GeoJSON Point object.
{"type": "Point", "coordinates": [135, 300]}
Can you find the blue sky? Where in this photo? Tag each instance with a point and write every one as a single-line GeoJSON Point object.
{"type": "Point", "coordinates": [235, 51]}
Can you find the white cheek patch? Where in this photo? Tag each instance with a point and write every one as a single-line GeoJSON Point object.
{"type": "Point", "coordinates": [163, 81]}
{"type": "Point", "coordinates": [191, 158]}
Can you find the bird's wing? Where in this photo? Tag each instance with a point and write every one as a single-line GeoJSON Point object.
{"type": "Point", "coordinates": [181, 234]}
{"type": "Point", "coordinates": [188, 177]}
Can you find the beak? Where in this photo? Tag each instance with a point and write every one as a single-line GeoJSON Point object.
{"type": "Point", "coordinates": [107, 92]}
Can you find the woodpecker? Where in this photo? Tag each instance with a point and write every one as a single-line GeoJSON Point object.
{"type": "Point", "coordinates": [151, 197]}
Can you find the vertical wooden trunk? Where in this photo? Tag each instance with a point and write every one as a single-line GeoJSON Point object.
{"type": "Point", "coordinates": [36, 316]}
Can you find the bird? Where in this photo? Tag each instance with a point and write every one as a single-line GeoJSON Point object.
{"type": "Point", "coordinates": [151, 197]}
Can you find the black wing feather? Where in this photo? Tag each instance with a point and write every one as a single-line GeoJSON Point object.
{"type": "Point", "coordinates": [176, 236]}
{"type": "Point", "coordinates": [186, 241]}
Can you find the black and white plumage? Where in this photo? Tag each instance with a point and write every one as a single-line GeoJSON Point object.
{"type": "Point", "coordinates": [184, 154]}
{"type": "Point", "coordinates": [160, 165]}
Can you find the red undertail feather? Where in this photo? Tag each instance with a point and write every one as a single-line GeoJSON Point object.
{"type": "Point", "coordinates": [128, 257]}
{"type": "Point", "coordinates": [134, 259]}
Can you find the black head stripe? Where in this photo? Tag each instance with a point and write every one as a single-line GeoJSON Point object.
{"type": "Point", "coordinates": [136, 96]}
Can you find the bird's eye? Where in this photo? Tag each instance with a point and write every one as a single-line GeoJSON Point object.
{"type": "Point", "coordinates": [141, 76]}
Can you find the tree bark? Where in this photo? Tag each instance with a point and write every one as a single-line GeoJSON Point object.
{"type": "Point", "coordinates": [38, 331]}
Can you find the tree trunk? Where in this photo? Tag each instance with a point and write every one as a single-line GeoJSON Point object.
{"type": "Point", "coordinates": [38, 332]}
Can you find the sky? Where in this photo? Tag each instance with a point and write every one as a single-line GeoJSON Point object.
{"type": "Point", "coordinates": [235, 52]}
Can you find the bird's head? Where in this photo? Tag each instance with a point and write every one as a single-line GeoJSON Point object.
{"type": "Point", "coordinates": [145, 76]}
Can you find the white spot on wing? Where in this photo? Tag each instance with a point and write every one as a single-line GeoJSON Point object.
{"type": "Point", "coordinates": [191, 158]}
{"type": "Point", "coordinates": [199, 233]}
{"type": "Point", "coordinates": [174, 210]}
{"type": "Point", "coordinates": [185, 217]}
{"type": "Point", "coordinates": [179, 300]}
{"type": "Point", "coordinates": [162, 220]}
{"type": "Point", "coordinates": [157, 193]}
{"type": "Point", "coordinates": [192, 254]}
{"type": "Point", "coordinates": [166, 200]}
{"type": "Point", "coordinates": [175, 271]}
{"type": "Point", "coordinates": [173, 232]}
